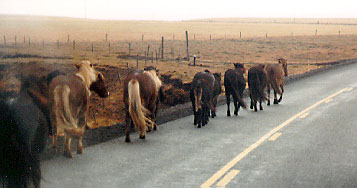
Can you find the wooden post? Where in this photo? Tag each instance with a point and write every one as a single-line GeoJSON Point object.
{"type": "Point", "coordinates": [194, 60]}
{"type": "Point", "coordinates": [106, 37]}
{"type": "Point", "coordinates": [187, 48]}
{"type": "Point", "coordinates": [162, 47]}
{"type": "Point", "coordinates": [137, 61]}
{"type": "Point", "coordinates": [129, 48]}
{"type": "Point", "coordinates": [68, 38]}
{"type": "Point", "coordinates": [109, 47]}
{"type": "Point", "coordinates": [58, 44]}
{"type": "Point", "coordinates": [266, 35]}
{"type": "Point", "coordinates": [92, 48]}
{"type": "Point", "coordinates": [210, 37]}
{"type": "Point", "coordinates": [316, 32]}
{"type": "Point", "coordinates": [148, 50]}
{"type": "Point", "coordinates": [240, 35]}
{"type": "Point", "coordinates": [339, 32]}
{"type": "Point", "coordinates": [74, 44]}
{"type": "Point", "coordinates": [142, 37]}
{"type": "Point", "coordinates": [29, 41]}
{"type": "Point", "coordinates": [145, 56]}
{"type": "Point", "coordinates": [156, 55]}
{"type": "Point", "coordinates": [4, 40]}
{"type": "Point", "coordinates": [152, 57]}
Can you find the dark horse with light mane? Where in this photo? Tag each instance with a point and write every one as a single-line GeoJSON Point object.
{"type": "Point", "coordinates": [275, 78]}
{"type": "Point", "coordinates": [69, 103]}
{"type": "Point", "coordinates": [23, 135]}
{"type": "Point", "coordinates": [257, 81]}
{"type": "Point", "coordinates": [203, 97]}
{"type": "Point", "coordinates": [234, 84]}
{"type": "Point", "coordinates": [141, 98]}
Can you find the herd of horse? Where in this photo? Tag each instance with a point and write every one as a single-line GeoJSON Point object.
{"type": "Point", "coordinates": [57, 104]}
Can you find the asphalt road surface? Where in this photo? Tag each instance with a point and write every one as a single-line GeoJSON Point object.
{"type": "Point", "coordinates": [309, 140]}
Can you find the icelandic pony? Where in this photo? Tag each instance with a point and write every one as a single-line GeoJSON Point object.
{"type": "Point", "coordinates": [257, 81]}
{"type": "Point", "coordinates": [23, 135]}
{"type": "Point", "coordinates": [275, 78]}
{"type": "Point", "coordinates": [69, 102]}
{"type": "Point", "coordinates": [201, 95]}
{"type": "Point", "coordinates": [141, 97]}
{"type": "Point", "coordinates": [216, 91]}
{"type": "Point", "coordinates": [234, 84]}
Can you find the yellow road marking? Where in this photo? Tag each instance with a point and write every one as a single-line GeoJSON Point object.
{"type": "Point", "coordinates": [226, 179]}
{"type": "Point", "coordinates": [349, 89]}
{"type": "Point", "coordinates": [304, 115]}
{"type": "Point", "coordinates": [240, 156]}
{"type": "Point", "coordinates": [328, 101]}
{"type": "Point", "coordinates": [275, 136]}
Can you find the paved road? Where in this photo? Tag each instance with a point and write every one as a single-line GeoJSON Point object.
{"type": "Point", "coordinates": [309, 140]}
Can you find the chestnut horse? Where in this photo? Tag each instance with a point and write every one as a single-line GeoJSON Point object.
{"type": "Point", "coordinates": [234, 84]}
{"type": "Point", "coordinates": [69, 103]}
{"type": "Point", "coordinates": [275, 78]}
{"type": "Point", "coordinates": [23, 135]}
{"type": "Point", "coordinates": [141, 98]}
{"type": "Point", "coordinates": [257, 81]}
{"type": "Point", "coordinates": [202, 97]}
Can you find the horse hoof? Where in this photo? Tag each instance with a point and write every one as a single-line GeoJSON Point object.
{"type": "Point", "coordinates": [142, 137]}
{"type": "Point", "coordinates": [268, 103]}
{"type": "Point", "coordinates": [199, 126]}
{"type": "Point", "coordinates": [127, 139]}
{"type": "Point", "coordinates": [155, 127]}
{"type": "Point", "coordinates": [80, 151]}
{"type": "Point", "coordinates": [255, 110]}
{"type": "Point", "coordinates": [67, 154]}
{"type": "Point", "coordinates": [236, 113]}
{"type": "Point", "coordinates": [276, 101]}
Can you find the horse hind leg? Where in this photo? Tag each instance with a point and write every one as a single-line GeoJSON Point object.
{"type": "Point", "coordinates": [260, 104]}
{"type": "Point", "coordinates": [275, 98]}
{"type": "Point", "coordinates": [67, 146]}
{"type": "Point", "coordinates": [268, 92]}
{"type": "Point", "coordinates": [228, 98]}
{"type": "Point", "coordinates": [128, 121]}
{"type": "Point", "coordinates": [251, 101]}
{"type": "Point", "coordinates": [282, 91]}
{"type": "Point", "coordinates": [80, 145]}
{"type": "Point", "coordinates": [236, 105]}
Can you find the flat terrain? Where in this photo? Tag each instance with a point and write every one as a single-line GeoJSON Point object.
{"type": "Point", "coordinates": [38, 45]}
{"type": "Point", "coordinates": [309, 140]}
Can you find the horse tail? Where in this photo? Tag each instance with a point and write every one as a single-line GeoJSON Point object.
{"type": "Point", "coordinates": [198, 98]}
{"type": "Point", "coordinates": [240, 100]}
{"type": "Point", "coordinates": [65, 113]}
{"type": "Point", "coordinates": [273, 82]}
{"type": "Point", "coordinates": [137, 111]}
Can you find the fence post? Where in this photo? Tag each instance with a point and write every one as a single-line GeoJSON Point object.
{"type": "Point", "coordinates": [29, 41]}
{"type": "Point", "coordinates": [137, 61]}
{"type": "Point", "coordinates": [106, 37]}
{"type": "Point", "coordinates": [142, 37]}
{"type": "Point", "coordinates": [58, 44]}
{"type": "Point", "coordinates": [74, 44]}
{"type": "Point", "coordinates": [145, 56]}
{"type": "Point", "coordinates": [240, 35]}
{"type": "Point", "coordinates": [15, 40]}
{"type": "Point", "coordinates": [129, 48]}
{"type": "Point", "coordinates": [339, 32]}
{"type": "Point", "coordinates": [4, 40]}
{"type": "Point", "coordinates": [210, 37]}
{"type": "Point", "coordinates": [266, 35]}
{"type": "Point", "coordinates": [316, 32]}
{"type": "Point", "coordinates": [194, 60]}
{"type": "Point", "coordinates": [148, 50]}
{"type": "Point", "coordinates": [162, 47]}
{"type": "Point", "coordinates": [152, 57]}
{"type": "Point", "coordinates": [187, 48]}
{"type": "Point", "coordinates": [109, 47]}
{"type": "Point", "coordinates": [68, 38]}
{"type": "Point", "coordinates": [92, 48]}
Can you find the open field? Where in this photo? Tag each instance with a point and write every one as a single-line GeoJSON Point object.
{"type": "Point", "coordinates": [37, 51]}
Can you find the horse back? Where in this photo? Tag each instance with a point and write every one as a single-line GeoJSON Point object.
{"type": "Point", "coordinates": [274, 71]}
{"type": "Point", "coordinates": [234, 79]}
{"type": "Point", "coordinates": [206, 81]}
{"type": "Point", "coordinates": [257, 80]}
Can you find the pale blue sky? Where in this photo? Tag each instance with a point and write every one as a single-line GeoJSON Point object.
{"type": "Point", "coordinates": [181, 9]}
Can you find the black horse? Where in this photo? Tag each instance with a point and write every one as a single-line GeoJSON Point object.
{"type": "Point", "coordinates": [234, 84]}
{"type": "Point", "coordinates": [23, 134]}
{"type": "Point", "coordinates": [201, 95]}
{"type": "Point", "coordinates": [257, 81]}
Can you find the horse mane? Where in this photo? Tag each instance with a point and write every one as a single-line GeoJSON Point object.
{"type": "Point", "coordinates": [155, 78]}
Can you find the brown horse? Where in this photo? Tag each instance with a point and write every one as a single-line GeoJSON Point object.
{"type": "Point", "coordinates": [275, 78]}
{"type": "Point", "coordinates": [141, 97]}
{"type": "Point", "coordinates": [234, 84]}
{"type": "Point", "coordinates": [257, 81]}
{"type": "Point", "coordinates": [217, 90]}
{"type": "Point", "coordinates": [69, 103]}
{"type": "Point", "coordinates": [202, 96]}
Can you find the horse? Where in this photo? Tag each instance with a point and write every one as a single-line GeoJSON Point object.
{"type": "Point", "coordinates": [234, 84]}
{"type": "Point", "coordinates": [23, 135]}
{"type": "Point", "coordinates": [69, 103]}
{"type": "Point", "coordinates": [141, 98]}
{"type": "Point", "coordinates": [275, 78]}
{"type": "Point", "coordinates": [257, 81]}
{"type": "Point", "coordinates": [201, 95]}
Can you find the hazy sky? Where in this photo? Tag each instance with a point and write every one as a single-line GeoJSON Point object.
{"type": "Point", "coordinates": [181, 9]}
